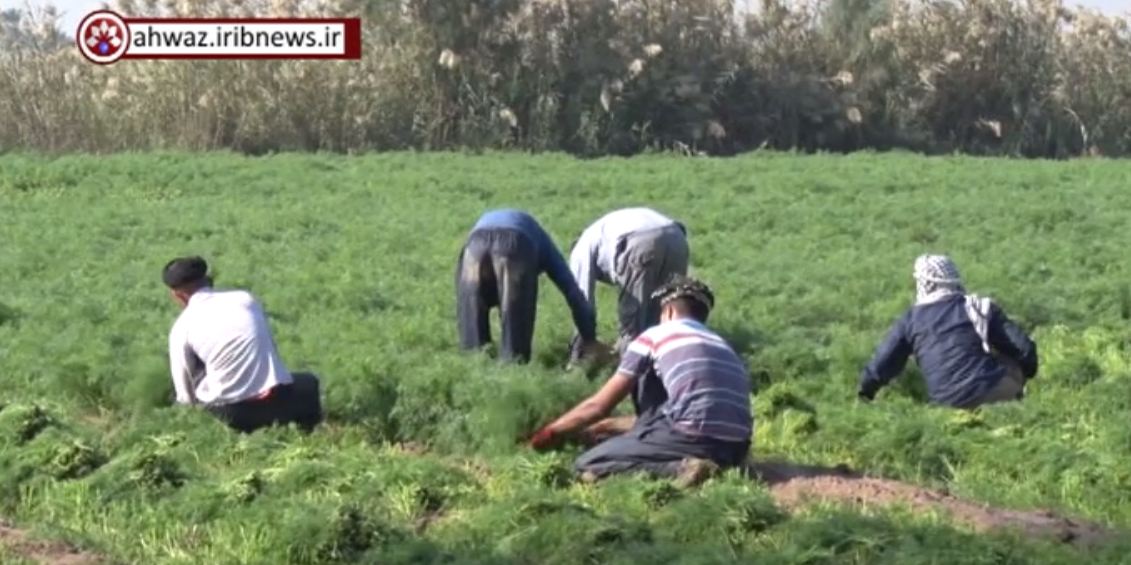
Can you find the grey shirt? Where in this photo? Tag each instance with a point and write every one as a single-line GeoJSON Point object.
{"type": "Point", "coordinates": [593, 256]}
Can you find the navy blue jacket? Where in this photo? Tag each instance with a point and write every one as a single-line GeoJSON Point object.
{"type": "Point", "coordinates": [949, 352]}
{"type": "Point", "coordinates": [550, 262]}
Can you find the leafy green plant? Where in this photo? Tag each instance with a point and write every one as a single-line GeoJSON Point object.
{"type": "Point", "coordinates": [660, 494]}
{"type": "Point", "coordinates": [155, 471]}
{"type": "Point", "coordinates": [74, 460]}
{"type": "Point", "coordinates": [353, 533]}
{"type": "Point", "coordinates": [22, 422]}
{"type": "Point", "coordinates": [246, 488]}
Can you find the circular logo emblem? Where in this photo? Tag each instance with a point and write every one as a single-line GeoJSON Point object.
{"type": "Point", "coordinates": [103, 37]}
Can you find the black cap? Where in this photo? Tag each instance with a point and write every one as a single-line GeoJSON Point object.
{"type": "Point", "coordinates": [185, 271]}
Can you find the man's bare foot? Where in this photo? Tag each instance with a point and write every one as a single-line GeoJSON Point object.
{"type": "Point", "coordinates": [592, 354]}
{"type": "Point", "coordinates": [613, 426]}
{"type": "Point", "coordinates": [605, 429]}
{"type": "Point", "coordinates": [693, 471]}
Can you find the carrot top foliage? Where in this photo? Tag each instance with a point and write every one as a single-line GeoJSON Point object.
{"type": "Point", "coordinates": [810, 259]}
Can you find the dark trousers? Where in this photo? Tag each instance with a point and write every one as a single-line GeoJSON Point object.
{"type": "Point", "coordinates": [498, 268]}
{"type": "Point", "coordinates": [299, 403]}
{"type": "Point", "coordinates": [653, 445]}
{"type": "Point", "coordinates": [645, 261]}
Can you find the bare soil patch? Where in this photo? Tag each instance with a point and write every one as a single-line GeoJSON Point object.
{"type": "Point", "coordinates": [793, 486]}
{"type": "Point", "coordinates": [22, 544]}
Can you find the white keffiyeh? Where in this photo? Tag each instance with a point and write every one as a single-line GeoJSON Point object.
{"type": "Point", "coordinates": [937, 277]}
{"type": "Point", "coordinates": [978, 310]}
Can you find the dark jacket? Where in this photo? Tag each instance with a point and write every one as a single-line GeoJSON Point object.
{"type": "Point", "coordinates": [949, 352]}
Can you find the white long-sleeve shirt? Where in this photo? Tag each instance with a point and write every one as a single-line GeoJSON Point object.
{"type": "Point", "coordinates": [593, 256]}
{"type": "Point", "coordinates": [221, 350]}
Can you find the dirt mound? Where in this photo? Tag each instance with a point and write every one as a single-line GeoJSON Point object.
{"type": "Point", "coordinates": [20, 543]}
{"type": "Point", "coordinates": [793, 486]}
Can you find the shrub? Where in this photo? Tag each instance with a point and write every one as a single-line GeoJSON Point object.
{"type": "Point", "coordinates": [599, 77]}
{"type": "Point", "coordinates": [74, 459]}
{"type": "Point", "coordinates": [155, 471]}
{"type": "Point", "coordinates": [22, 422]}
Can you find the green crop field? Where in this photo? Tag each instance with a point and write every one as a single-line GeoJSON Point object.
{"type": "Point", "coordinates": [353, 258]}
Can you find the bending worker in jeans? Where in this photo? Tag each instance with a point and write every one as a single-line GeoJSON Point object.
{"type": "Point", "coordinates": [223, 356]}
{"type": "Point", "coordinates": [636, 250]}
{"type": "Point", "coordinates": [499, 266]}
{"type": "Point", "coordinates": [691, 392]}
{"type": "Point", "coordinates": [968, 350]}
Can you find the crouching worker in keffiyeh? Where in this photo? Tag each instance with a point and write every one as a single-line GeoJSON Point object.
{"type": "Point", "coordinates": [969, 352]}
{"type": "Point", "coordinates": [223, 356]}
{"type": "Point", "coordinates": [691, 392]}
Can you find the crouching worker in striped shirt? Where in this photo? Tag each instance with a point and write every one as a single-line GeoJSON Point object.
{"type": "Point", "coordinates": [968, 350]}
{"type": "Point", "coordinates": [223, 357]}
{"type": "Point", "coordinates": [691, 392]}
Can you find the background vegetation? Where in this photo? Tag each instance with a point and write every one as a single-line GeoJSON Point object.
{"type": "Point", "coordinates": [595, 77]}
{"type": "Point", "coordinates": [352, 257]}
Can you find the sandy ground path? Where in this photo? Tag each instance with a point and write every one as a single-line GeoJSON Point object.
{"type": "Point", "coordinates": [793, 486]}
{"type": "Point", "coordinates": [19, 543]}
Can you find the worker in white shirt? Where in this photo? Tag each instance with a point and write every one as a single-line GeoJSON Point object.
{"type": "Point", "coordinates": [637, 250]}
{"type": "Point", "coordinates": [223, 357]}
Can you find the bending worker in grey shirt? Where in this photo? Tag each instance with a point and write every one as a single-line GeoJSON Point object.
{"type": "Point", "coordinates": [637, 250]}
{"type": "Point", "coordinates": [223, 357]}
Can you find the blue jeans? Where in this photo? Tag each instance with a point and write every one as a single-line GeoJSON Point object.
{"type": "Point", "coordinates": [498, 268]}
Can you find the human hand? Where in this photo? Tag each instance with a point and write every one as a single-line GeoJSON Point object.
{"type": "Point", "coordinates": [545, 439]}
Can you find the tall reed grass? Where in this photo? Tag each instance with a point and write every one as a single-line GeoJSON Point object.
{"type": "Point", "coordinates": [593, 77]}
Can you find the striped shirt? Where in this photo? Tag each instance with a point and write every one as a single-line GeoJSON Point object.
{"type": "Point", "coordinates": [707, 382]}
